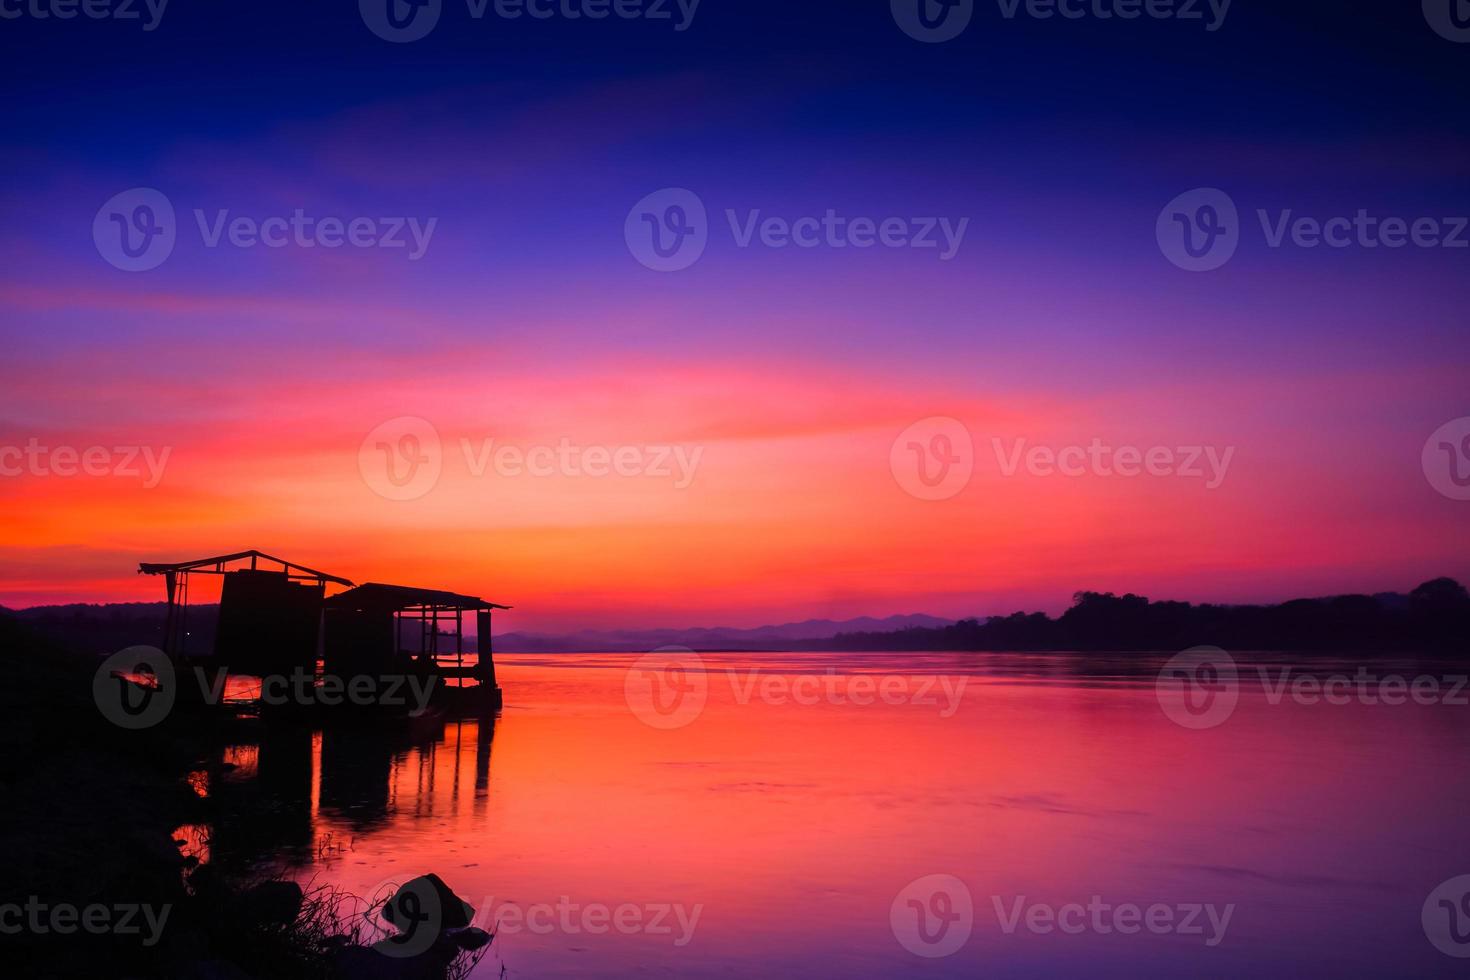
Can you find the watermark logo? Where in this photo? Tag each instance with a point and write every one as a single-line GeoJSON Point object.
{"type": "Point", "coordinates": [1446, 917]}
{"type": "Point", "coordinates": [933, 459]}
{"type": "Point", "coordinates": [668, 230]}
{"type": "Point", "coordinates": [401, 21]}
{"type": "Point", "coordinates": [419, 910]}
{"type": "Point", "coordinates": [402, 458]}
{"type": "Point", "coordinates": [668, 688]}
{"type": "Point", "coordinates": [135, 688]}
{"type": "Point", "coordinates": [933, 21]}
{"type": "Point", "coordinates": [1198, 688]}
{"type": "Point", "coordinates": [1450, 19]}
{"type": "Point", "coordinates": [135, 230]}
{"type": "Point", "coordinates": [1199, 230]}
{"type": "Point", "coordinates": [932, 916]}
{"type": "Point", "coordinates": [1446, 459]}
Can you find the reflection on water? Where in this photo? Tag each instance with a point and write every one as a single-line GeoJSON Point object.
{"type": "Point", "coordinates": [782, 830]}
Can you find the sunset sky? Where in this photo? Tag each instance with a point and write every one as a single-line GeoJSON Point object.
{"type": "Point", "coordinates": [261, 371]}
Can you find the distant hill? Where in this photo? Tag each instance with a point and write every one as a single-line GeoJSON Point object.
{"type": "Point", "coordinates": [106, 628]}
{"type": "Point", "coordinates": [93, 628]}
{"type": "Point", "coordinates": [1433, 618]}
{"type": "Point", "coordinates": [779, 637]}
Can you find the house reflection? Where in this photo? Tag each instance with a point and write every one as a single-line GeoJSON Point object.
{"type": "Point", "coordinates": [293, 795]}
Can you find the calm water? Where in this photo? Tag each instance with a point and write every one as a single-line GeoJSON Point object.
{"type": "Point", "coordinates": [780, 830]}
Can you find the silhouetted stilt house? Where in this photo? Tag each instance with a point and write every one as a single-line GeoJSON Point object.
{"type": "Point", "coordinates": [275, 618]}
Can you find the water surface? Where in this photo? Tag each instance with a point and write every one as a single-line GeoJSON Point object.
{"type": "Point", "coordinates": [787, 824]}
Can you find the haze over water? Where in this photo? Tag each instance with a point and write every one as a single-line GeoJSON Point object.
{"type": "Point", "coordinates": [791, 829]}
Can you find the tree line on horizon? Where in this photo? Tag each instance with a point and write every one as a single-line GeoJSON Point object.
{"type": "Point", "coordinates": [1434, 618]}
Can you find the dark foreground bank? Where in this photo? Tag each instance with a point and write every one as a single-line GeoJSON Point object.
{"type": "Point", "coordinates": [97, 882]}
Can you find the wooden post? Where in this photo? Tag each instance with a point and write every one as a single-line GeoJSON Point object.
{"type": "Point", "coordinates": [486, 670]}
{"type": "Point", "coordinates": [169, 624]}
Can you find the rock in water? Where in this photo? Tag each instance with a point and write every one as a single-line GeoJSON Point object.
{"type": "Point", "coordinates": [472, 939]}
{"type": "Point", "coordinates": [275, 903]}
{"type": "Point", "coordinates": [426, 902]}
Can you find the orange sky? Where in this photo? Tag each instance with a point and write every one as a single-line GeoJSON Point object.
{"type": "Point", "coordinates": [792, 511]}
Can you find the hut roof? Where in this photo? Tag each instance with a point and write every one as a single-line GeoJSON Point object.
{"type": "Point", "coordinates": [376, 595]}
{"type": "Point", "coordinates": [290, 569]}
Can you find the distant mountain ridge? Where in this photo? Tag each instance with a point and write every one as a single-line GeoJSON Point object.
{"type": "Point", "coordinates": [88, 627]}
{"type": "Point", "coordinates": [107, 627]}
{"type": "Point", "coordinates": [712, 638]}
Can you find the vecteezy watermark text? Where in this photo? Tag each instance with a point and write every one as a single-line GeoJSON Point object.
{"type": "Point", "coordinates": [940, 691]}
{"type": "Point", "coordinates": [1208, 463]}
{"type": "Point", "coordinates": [1105, 918]}
{"type": "Point", "coordinates": [1362, 687]}
{"type": "Point", "coordinates": [304, 688]}
{"type": "Point", "coordinates": [832, 230]}
{"type": "Point", "coordinates": [304, 231]}
{"type": "Point", "coordinates": [670, 687]}
{"type": "Point", "coordinates": [63, 919]}
{"type": "Point", "coordinates": [404, 21]}
{"type": "Point", "coordinates": [936, 21]}
{"type": "Point", "coordinates": [569, 918]}
{"type": "Point", "coordinates": [569, 459]}
{"type": "Point", "coordinates": [149, 13]}
{"type": "Point", "coordinates": [34, 459]}
{"type": "Point", "coordinates": [420, 912]}
{"type": "Point", "coordinates": [1211, 13]}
